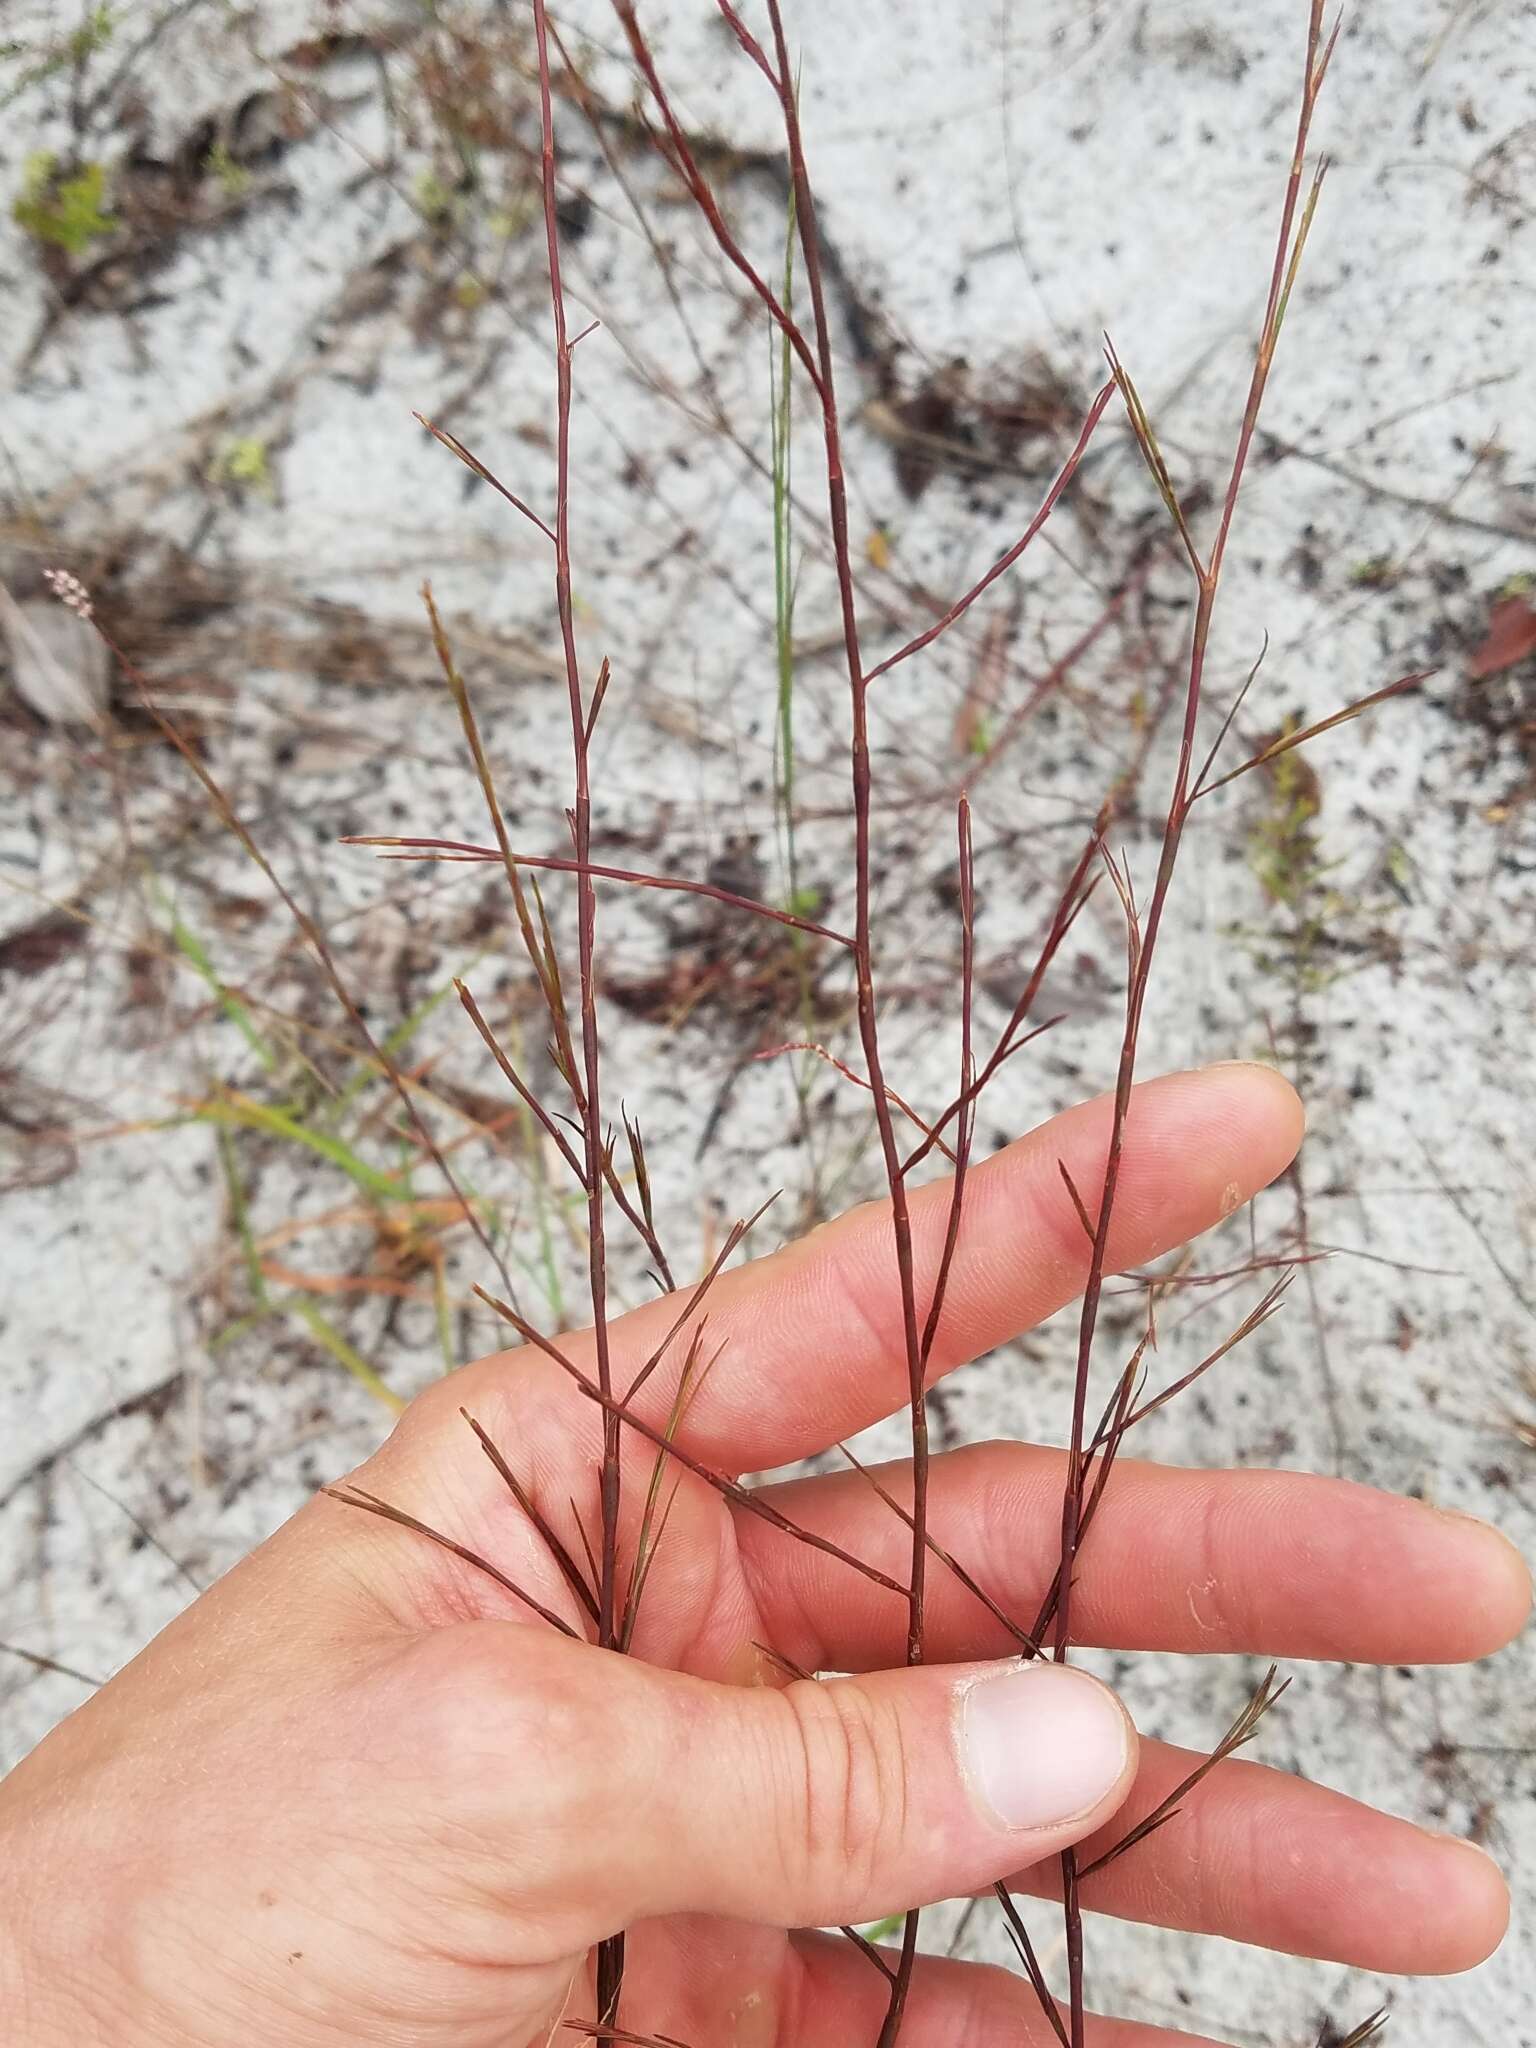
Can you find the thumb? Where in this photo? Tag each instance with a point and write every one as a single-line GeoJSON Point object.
{"type": "Point", "coordinates": [826, 1802]}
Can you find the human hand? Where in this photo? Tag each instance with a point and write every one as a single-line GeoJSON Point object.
{"type": "Point", "coordinates": [361, 1791]}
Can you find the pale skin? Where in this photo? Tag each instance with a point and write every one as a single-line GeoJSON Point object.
{"type": "Point", "coordinates": [360, 1792]}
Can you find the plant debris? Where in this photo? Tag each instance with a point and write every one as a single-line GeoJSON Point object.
{"type": "Point", "coordinates": [1511, 639]}
{"type": "Point", "coordinates": [58, 665]}
{"type": "Point", "coordinates": [34, 948]}
{"type": "Point", "coordinates": [969, 421]}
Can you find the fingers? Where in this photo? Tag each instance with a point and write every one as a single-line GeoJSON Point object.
{"type": "Point", "coordinates": [819, 1991]}
{"type": "Point", "coordinates": [1270, 1562]}
{"type": "Point", "coordinates": [597, 1791]}
{"type": "Point", "coordinates": [820, 1322]}
{"type": "Point", "coordinates": [842, 1998]}
{"type": "Point", "coordinates": [1259, 1856]}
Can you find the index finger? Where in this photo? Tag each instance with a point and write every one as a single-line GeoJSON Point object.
{"type": "Point", "coordinates": [810, 1338]}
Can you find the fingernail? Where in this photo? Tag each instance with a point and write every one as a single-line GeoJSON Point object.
{"type": "Point", "coordinates": [1043, 1743]}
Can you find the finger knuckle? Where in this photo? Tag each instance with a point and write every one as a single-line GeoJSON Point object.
{"type": "Point", "coordinates": [1219, 1605]}
{"type": "Point", "coordinates": [850, 1813]}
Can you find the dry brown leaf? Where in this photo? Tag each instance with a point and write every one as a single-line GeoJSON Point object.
{"type": "Point", "coordinates": [1511, 638]}
{"type": "Point", "coordinates": [59, 665]}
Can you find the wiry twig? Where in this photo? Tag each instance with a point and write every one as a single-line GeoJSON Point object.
{"type": "Point", "coordinates": [569, 1569]}
{"type": "Point", "coordinates": [588, 871]}
{"type": "Point", "coordinates": [1358, 2036]}
{"type": "Point", "coordinates": [1291, 740]}
{"type": "Point", "coordinates": [738, 1232]}
{"type": "Point", "coordinates": [1024, 1949]}
{"type": "Point", "coordinates": [680, 155]}
{"type": "Point", "coordinates": [642, 1219]}
{"type": "Point", "coordinates": [316, 939]}
{"type": "Point", "coordinates": [473, 462]}
{"type": "Point", "coordinates": [1091, 1455]}
{"type": "Point", "coordinates": [52, 1664]}
{"type": "Point", "coordinates": [1259, 1314]}
{"type": "Point", "coordinates": [1080, 886]}
{"type": "Point", "coordinates": [356, 1497]}
{"type": "Point", "coordinates": [1242, 1731]}
{"type": "Point", "coordinates": [805, 217]}
{"type": "Point", "coordinates": [820, 1052]}
{"type": "Point", "coordinates": [785, 1664]}
{"type": "Point", "coordinates": [539, 953]}
{"type": "Point", "coordinates": [651, 1532]}
{"type": "Point", "coordinates": [1027, 1643]}
{"type": "Point", "coordinates": [729, 1489]}
{"type": "Point", "coordinates": [1006, 561]}
{"type": "Point", "coordinates": [869, 1952]}
{"type": "Point", "coordinates": [524, 1093]}
{"type": "Point", "coordinates": [596, 2030]}
{"type": "Point", "coordinates": [1142, 938]}
{"type": "Point", "coordinates": [962, 1159]}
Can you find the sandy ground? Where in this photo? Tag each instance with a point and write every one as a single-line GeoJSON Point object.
{"type": "Point", "coordinates": [213, 428]}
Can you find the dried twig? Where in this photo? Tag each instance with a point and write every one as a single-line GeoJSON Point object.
{"type": "Point", "coordinates": [355, 1497]}
{"type": "Point", "coordinates": [1243, 1730]}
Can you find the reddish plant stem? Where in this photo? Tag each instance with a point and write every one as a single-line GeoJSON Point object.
{"type": "Point", "coordinates": [623, 2035]}
{"type": "Point", "coordinates": [589, 870]}
{"type": "Point", "coordinates": [224, 810]}
{"type": "Point", "coordinates": [355, 1497]}
{"type": "Point", "coordinates": [869, 1952]}
{"type": "Point", "coordinates": [570, 1571]}
{"type": "Point", "coordinates": [610, 1954]}
{"type": "Point", "coordinates": [1024, 1949]}
{"type": "Point", "coordinates": [967, 1095]}
{"type": "Point", "coordinates": [773, 1052]}
{"type": "Point", "coordinates": [1078, 889]}
{"type": "Point", "coordinates": [1242, 1731]}
{"type": "Point", "coordinates": [683, 159]}
{"type": "Point", "coordinates": [1123, 1412]}
{"type": "Point", "coordinates": [524, 1093]}
{"type": "Point", "coordinates": [456, 447]}
{"type": "Point", "coordinates": [581, 830]}
{"type": "Point", "coordinates": [1029, 1646]}
{"type": "Point", "coordinates": [862, 783]}
{"type": "Point", "coordinates": [733, 1237]}
{"type": "Point", "coordinates": [1178, 810]}
{"type": "Point", "coordinates": [642, 1224]}
{"type": "Point", "coordinates": [930, 1133]}
{"type": "Point", "coordinates": [868, 1016]}
{"type": "Point", "coordinates": [820, 369]}
{"type": "Point", "coordinates": [459, 691]}
{"type": "Point", "coordinates": [1207, 573]}
{"type": "Point", "coordinates": [1006, 561]}
{"type": "Point", "coordinates": [729, 1489]}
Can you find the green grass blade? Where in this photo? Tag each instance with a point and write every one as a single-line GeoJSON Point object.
{"type": "Point", "coordinates": [242, 1112]}
{"type": "Point", "coordinates": [192, 949]}
{"type": "Point", "coordinates": [398, 1039]}
{"type": "Point", "coordinates": [240, 1215]}
{"type": "Point", "coordinates": [330, 1339]}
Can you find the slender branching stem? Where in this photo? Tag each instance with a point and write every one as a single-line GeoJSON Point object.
{"type": "Point", "coordinates": [748, 1498]}
{"type": "Point", "coordinates": [610, 1960]}
{"type": "Point", "coordinates": [1143, 938]}
{"type": "Point", "coordinates": [589, 870]}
